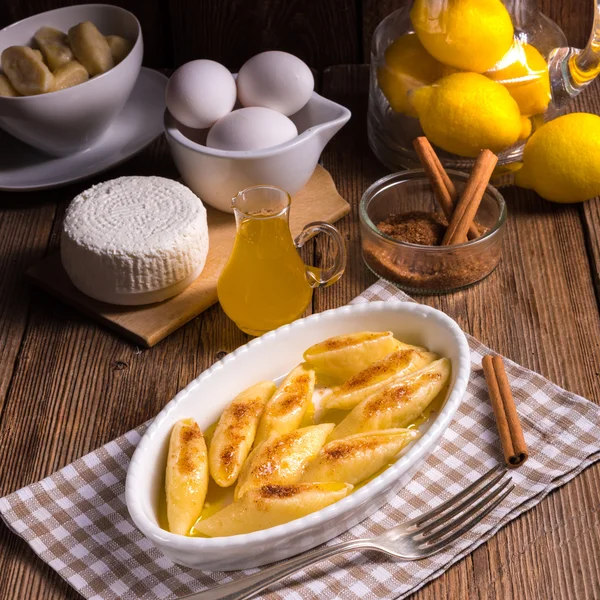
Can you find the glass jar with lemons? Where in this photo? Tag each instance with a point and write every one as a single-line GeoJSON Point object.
{"type": "Point", "coordinates": [470, 74]}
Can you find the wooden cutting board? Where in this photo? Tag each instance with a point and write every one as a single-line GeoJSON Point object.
{"type": "Point", "coordinates": [147, 325]}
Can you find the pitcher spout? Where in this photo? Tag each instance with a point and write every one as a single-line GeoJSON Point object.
{"type": "Point", "coordinates": [572, 70]}
{"type": "Point", "coordinates": [325, 131]}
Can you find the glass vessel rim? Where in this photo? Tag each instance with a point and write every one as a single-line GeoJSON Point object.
{"type": "Point", "coordinates": [419, 174]}
{"type": "Point", "coordinates": [286, 201]}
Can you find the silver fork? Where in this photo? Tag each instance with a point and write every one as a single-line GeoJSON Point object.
{"type": "Point", "coordinates": [419, 538]}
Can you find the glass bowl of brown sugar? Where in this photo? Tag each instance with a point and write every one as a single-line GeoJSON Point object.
{"type": "Point", "coordinates": [402, 229]}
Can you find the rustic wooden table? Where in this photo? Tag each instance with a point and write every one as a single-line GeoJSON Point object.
{"type": "Point", "coordinates": [68, 385]}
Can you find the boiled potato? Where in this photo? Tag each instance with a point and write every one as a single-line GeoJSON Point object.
{"type": "Point", "coordinates": [54, 45]}
{"type": "Point", "coordinates": [339, 358]}
{"type": "Point", "coordinates": [281, 459]}
{"type": "Point", "coordinates": [376, 376]}
{"type": "Point", "coordinates": [73, 73]}
{"type": "Point", "coordinates": [357, 457]}
{"type": "Point", "coordinates": [270, 505]}
{"type": "Point", "coordinates": [38, 55]}
{"type": "Point", "coordinates": [186, 476]}
{"type": "Point", "coordinates": [285, 410]}
{"type": "Point", "coordinates": [91, 48]}
{"type": "Point", "coordinates": [26, 73]}
{"type": "Point", "coordinates": [396, 405]}
{"type": "Point", "coordinates": [6, 88]}
{"type": "Point", "coordinates": [119, 47]}
{"type": "Point", "coordinates": [235, 432]}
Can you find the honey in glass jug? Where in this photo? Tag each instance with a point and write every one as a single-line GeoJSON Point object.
{"type": "Point", "coordinates": [471, 74]}
{"type": "Point", "coordinates": [265, 283]}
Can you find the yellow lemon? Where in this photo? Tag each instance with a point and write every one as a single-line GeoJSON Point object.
{"type": "Point", "coordinates": [464, 113]}
{"type": "Point", "coordinates": [524, 73]}
{"type": "Point", "coordinates": [536, 122]}
{"type": "Point", "coordinates": [526, 127]}
{"type": "Point", "coordinates": [408, 66]}
{"type": "Point", "coordinates": [561, 160]}
{"type": "Point", "coordinates": [472, 35]}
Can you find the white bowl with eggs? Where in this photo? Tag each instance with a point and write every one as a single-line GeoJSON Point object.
{"type": "Point", "coordinates": [264, 125]}
{"type": "Point", "coordinates": [71, 120]}
{"type": "Point", "coordinates": [269, 358]}
{"type": "Point", "coordinates": [216, 176]}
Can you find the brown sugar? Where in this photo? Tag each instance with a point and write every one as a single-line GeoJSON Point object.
{"type": "Point", "coordinates": [450, 270]}
{"type": "Point", "coordinates": [415, 227]}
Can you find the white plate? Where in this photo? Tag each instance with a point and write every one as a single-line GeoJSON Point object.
{"type": "Point", "coordinates": [22, 168]}
{"type": "Point", "coordinates": [270, 357]}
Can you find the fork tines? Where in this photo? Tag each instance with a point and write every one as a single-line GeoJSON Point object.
{"type": "Point", "coordinates": [451, 519]}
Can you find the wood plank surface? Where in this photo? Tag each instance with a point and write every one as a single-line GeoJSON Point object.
{"type": "Point", "coordinates": [541, 293]}
{"type": "Point", "coordinates": [589, 101]}
{"type": "Point", "coordinates": [321, 33]}
{"type": "Point", "coordinates": [25, 226]}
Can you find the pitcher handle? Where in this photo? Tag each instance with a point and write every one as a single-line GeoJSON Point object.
{"type": "Point", "coordinates": [571, 70]}
{"type": "Point", "coordinates": [324, 277]}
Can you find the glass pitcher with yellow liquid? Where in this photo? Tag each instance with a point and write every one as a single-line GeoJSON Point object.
{"type": "Point", "coordinates": [265, 283]}
{"type": "Point", "coordinates": [471, 74]}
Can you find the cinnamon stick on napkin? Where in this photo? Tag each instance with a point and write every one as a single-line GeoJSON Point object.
{"type": "Point", "coordinates": [505, 411]}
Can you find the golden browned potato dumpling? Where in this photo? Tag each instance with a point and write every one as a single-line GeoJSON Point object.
{"type": "Point", "coordinates": [285, 410]}
{"type": "Point", "coordinates": [270, 505]}
{"type": "Point", "coordinates": [357, 457]}
{"type": "Point", "coordinates": [235, 433]}
{"type": "Point", "coordinates": [377, 376]}
{"type": "Point", "coordinates": [341, 357]}
{"type": "Point", "coordinates": [397, 405]}
{"type": "Point", "coordinates": [281, 459]}
{"type": "Point", "coordinates": [186, 476]}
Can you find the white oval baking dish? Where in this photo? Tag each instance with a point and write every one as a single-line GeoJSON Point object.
{"type": "Point", "coordinates": [270, 357]}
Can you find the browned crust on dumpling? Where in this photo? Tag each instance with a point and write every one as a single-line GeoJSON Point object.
{"type": "Point", "coordinates": [398, 394]}
{"type": "Point", "coordinates": [295, 396]}
{"type": "Point", "coordinates": [340, 342]}
{"type": "Point", "coordinates": [243, 414]}
{"type": "Point", "coordinates": [188, 457]}
{"type": "Point", "coordinates": [399, 359]}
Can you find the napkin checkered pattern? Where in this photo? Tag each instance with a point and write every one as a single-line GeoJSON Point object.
{"type": "Point", "coordinates": [76, 519]}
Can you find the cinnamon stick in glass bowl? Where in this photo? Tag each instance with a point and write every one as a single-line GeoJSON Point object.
{"type": "Point", "coordinates": [466, 208]}
{"type": "Point", "coordinates": [427, 269]}
{"type": "Point", "coordinates": [443, 187]}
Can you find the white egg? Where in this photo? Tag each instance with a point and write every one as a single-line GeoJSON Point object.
{"type": "Point", "coordinates": [252, 128]}
{"type": "Point", "coordinates": [200, 92]}
{"type": "Point", "coordinates": [276, 80]}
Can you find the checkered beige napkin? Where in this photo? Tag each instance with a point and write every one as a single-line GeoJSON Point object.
{"type": "Point", "coordinates": [76, 520]}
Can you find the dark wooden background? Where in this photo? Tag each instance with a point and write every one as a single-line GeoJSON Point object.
{"type": "Point", "coordinates": [68, 386]}
{"type": "Point", "coordinates": [321, 32]}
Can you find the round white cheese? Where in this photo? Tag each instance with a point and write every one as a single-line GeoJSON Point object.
{"type": "Point", "coordinates": [134, 240]}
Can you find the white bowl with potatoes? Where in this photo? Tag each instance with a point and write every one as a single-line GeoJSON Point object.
{"type": "Point", "coordinates": [297, 436]}
{"type": "Point", "coordinates": [66, 74]}
{"type": "Point", "coordinates": [264, 125]}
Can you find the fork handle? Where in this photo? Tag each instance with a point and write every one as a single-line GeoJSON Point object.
{"type": "Point", "coordinates": [253, 584]}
